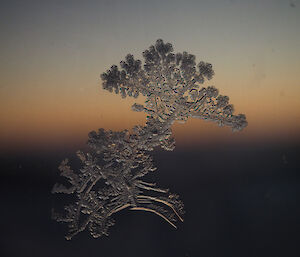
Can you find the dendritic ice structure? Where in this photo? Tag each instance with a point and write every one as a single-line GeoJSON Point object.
{"type": "Point", "coordinates": [171, 84]}
{"type": "Point", "coordinates": [112, 175]}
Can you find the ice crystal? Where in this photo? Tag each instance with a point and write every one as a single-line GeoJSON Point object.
{"type": "Point", "coordinates": [112, 175]}
{"type": "Point", "coordinates": [121, 160]}
{"type": "Point", "coordinates": [171, 84]}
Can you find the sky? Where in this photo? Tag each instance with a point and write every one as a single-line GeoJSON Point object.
{"type": "Point", "coordinates": [53, 52]}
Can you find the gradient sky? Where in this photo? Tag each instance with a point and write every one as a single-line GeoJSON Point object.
{"type": "Point", "coordinates": [52, 53]}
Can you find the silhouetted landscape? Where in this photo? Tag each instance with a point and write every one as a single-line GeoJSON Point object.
{"type": "Point", "coordinates": [239, 201]}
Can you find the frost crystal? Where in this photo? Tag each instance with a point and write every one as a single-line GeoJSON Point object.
{"type": "Point", "coordinates": [112, 175]}
{"type": "Point", "coordinates": [171, 84]}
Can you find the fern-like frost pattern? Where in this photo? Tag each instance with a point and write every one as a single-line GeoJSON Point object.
{"type": "Point", "coordinates": [119, 161]}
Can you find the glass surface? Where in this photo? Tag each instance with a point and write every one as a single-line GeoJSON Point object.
{"type": "Point", "coordinates": [230, 193]}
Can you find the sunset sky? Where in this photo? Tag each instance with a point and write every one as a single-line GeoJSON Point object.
{"type": "Point", "coordinates": [52, 53]}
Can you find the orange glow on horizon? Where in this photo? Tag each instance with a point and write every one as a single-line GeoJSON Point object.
{"type": "Point", "coordinates": [47, 119]}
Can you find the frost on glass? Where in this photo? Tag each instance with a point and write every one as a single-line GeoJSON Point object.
{"type": "Point", "coordinates": [112, 175]}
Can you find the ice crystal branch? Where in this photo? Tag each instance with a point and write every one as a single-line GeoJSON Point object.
{"type": "Point", "coordinates": [171, 84]}
{"type": "Point", "coordinates": [112, 175]}
{"type": "Point", "coordinates": [120, 160]}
